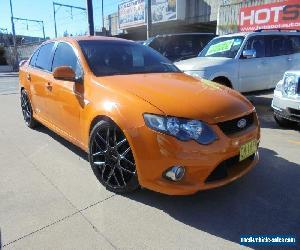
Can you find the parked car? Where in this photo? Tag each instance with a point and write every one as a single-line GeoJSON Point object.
{"type": "Point", "coordinates": [119, 101]}
{"type": "Point", "coordinates": [179, 46]}
{"type": "Point", "coordinates": [286, 100]}
{"type": "Point", "coordinates": [246, 61]}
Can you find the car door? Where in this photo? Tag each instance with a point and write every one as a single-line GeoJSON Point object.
{"type": "Point", "coordinates": [37, 75]}
{"type": "Point", "coordinates": [278, 58]}
{"type": "Point", "coordinates": [67, 98]}
{"type": "Point", "coordinates": [255, 73]}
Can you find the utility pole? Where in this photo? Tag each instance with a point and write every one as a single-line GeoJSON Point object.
{"type": "Point", "coordinates": [102, 17]}
{"type": "Point", "coordinates": [89, 4]}
{"type": "Point", "coordinates": [32, 20]}
{"type": "Point", "coordinates": [55, 10]}
{"type": "Point", "coordinates": [149, 19]}
{"type": "Point", "coordinates": [15, 66]}
{"type": "Point", "coordinates": [54, 14]}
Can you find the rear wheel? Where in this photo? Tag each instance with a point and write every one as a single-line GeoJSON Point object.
{"type": "Point", "coordinates": [111, 158]}
{"type": "Point", "coordinates": [27, 110]}
{"type": "Point", "coordinates": [283, 122]}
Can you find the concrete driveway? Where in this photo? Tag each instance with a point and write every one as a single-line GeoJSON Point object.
{"type": "Point", "coordinates": [50, 198]}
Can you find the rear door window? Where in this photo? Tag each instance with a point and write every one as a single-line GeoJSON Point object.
{"type": "Point", "coordinates": [276, 45]}
{"type": "Point", "coordinates": [43, 60]}
{"type": "Point", "coordinates": [33, 58]}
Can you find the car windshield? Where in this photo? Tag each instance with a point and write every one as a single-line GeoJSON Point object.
{"type": "Point", "coordinates": [222, 47]}
{"type": "Point", "coordinates": [123, 58]}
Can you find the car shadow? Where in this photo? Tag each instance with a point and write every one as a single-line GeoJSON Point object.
{"type": "Point", "coordinates": [264, 110]}
{"type": "Point", "coordinates": [76, 150]}
{"type": "Point", "coordinates": [265, 201]}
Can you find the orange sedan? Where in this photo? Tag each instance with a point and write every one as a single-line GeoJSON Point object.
{"type": "Point", "coordinates": [142, 121]}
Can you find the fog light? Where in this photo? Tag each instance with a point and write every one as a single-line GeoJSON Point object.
{"type": "Point", "coordinates": [175, 173]}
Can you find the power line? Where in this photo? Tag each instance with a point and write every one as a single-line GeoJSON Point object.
{"type": "Point", "coordinates": [55, 10]}
{"type": "Point", "coordinates": [34, 21]}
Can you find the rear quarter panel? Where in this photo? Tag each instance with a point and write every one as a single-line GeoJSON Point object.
{"type": "Point", "coordinates": [22, 77]}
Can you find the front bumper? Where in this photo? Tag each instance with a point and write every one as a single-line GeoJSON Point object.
{"type": "Point", "coordinates": [155, 152]}
{"type": "Point", "coordinates": [286, 107]}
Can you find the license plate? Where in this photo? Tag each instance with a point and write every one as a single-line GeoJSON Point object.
{"type": "Point", "coordinates": [248, 149]}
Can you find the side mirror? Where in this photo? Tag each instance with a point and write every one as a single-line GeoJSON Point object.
{"type": "Point", "coordinates": [64, 73]}
{"type": "Point", "coordinates": [249, 53]}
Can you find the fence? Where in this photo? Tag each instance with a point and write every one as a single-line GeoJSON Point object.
{"type": "Point", "coordinates": [24, 52]}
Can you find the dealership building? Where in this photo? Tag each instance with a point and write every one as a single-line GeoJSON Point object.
{"type": "Point", "coordinates": [179, 16]}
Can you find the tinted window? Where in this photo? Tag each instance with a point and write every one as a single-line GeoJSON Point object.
{"type": "Point", "coordinates": [275, 46]}
{"type": "Point", "coordinates": [179, 47]}
{"type": "Point", "coordinates": [43, 60]}
{"type": "Point", "coordinates": [120, 57]}
{"type": "Point", "coordinates": [292, 45]}
{"type": "Point", "coordinates": [34, 57]}
{"type": "Point", "coordinates": [65, 56]}
{"type": "Point", "coordinates": [256, 43]}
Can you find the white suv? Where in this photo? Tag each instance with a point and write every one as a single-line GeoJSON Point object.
{"type": "Point", "coordinates": [246, 61]}
{"type": "Point", "coordinates": [286, 100]}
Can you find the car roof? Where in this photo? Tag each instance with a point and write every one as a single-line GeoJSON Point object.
{"type": "Point", "coordinates": [264, 32]}
{"type": "Point", "coordinates": [184, 34]}
{"type": "Point", "coordinates": [87, 38]}
{"type": "Point", "coordinates": [297, 72]}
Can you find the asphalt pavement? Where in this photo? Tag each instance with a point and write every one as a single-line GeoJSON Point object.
{"type": "Point", "coordinates": [50, 198]}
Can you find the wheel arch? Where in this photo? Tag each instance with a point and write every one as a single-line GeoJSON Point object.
{"type": "Point", "coordinates": [223, 80]}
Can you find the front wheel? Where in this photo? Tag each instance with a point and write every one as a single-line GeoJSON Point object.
{"type": "Point", "coordinates": [27, 110]}
{"type": "Point", "coordinates": [111, 158]}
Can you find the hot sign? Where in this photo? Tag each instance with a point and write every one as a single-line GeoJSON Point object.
{"type": "Point", "coordinates": [284, 15]}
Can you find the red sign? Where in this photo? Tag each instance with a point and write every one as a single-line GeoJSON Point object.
{"type": "Point", "coordinates": [284, 15]}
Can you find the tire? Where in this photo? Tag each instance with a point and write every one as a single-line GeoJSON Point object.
{"type": "Point", "coordinates": [282, 122]}
{"type": "Point", "coordinates": [111, 158]}
{"type": "Point", "coordinates": [27, 110]}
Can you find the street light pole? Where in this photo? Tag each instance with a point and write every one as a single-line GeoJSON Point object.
{"type": "Point", "coordinates": [90, 17]}
{"type": "Point", "coordinates": [14, 37]}
{"type": "Point", "coordinates": [149, 19]}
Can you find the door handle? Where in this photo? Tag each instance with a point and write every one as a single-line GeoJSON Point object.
{"type": "Point", "coordinates": [28, 77]}
{"type": "Point", "coordinates": [49, 86]}
{"type": "Point", "coordinates": [290, 59]}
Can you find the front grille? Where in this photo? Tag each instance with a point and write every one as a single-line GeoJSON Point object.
{"type": "Point", "coordinates": [221, 171]}
{"type": "Point", "coordinates": [231, 127]}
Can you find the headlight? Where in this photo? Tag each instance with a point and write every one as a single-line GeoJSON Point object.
{"type": "Point", "coordinates": [290, 83]}
{"type": "Point", "coordinates": [196, 73]}
{"type": "Point", "coordinates": [182, 129]}
{"type": "Point", "coordinates": [279, 86]}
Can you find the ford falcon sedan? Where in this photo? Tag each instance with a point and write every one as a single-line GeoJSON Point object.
{"type": "Point", "coordinates": [142, 122]}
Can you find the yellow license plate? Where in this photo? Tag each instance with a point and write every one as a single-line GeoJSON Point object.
{"type": "Point", "coordinates": [248, 149]}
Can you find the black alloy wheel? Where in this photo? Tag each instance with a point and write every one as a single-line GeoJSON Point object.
{"type": "Point", "coordinates": [111, 158]}
{"type": "Point", "coordinates": [27, 110]}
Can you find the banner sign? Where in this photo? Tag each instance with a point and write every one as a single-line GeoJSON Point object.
{"type": "Point", "coordinates": [163, 10]}
{"type": "Point", "coordinates": [131, 13]}
{"type": "Point", "coordinates": [284, 15]}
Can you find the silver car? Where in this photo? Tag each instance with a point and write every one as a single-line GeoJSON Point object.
{"type": "Point", "coordinates": [246, 61]}
{"type": "Point", "coordinates": [286, 100]}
